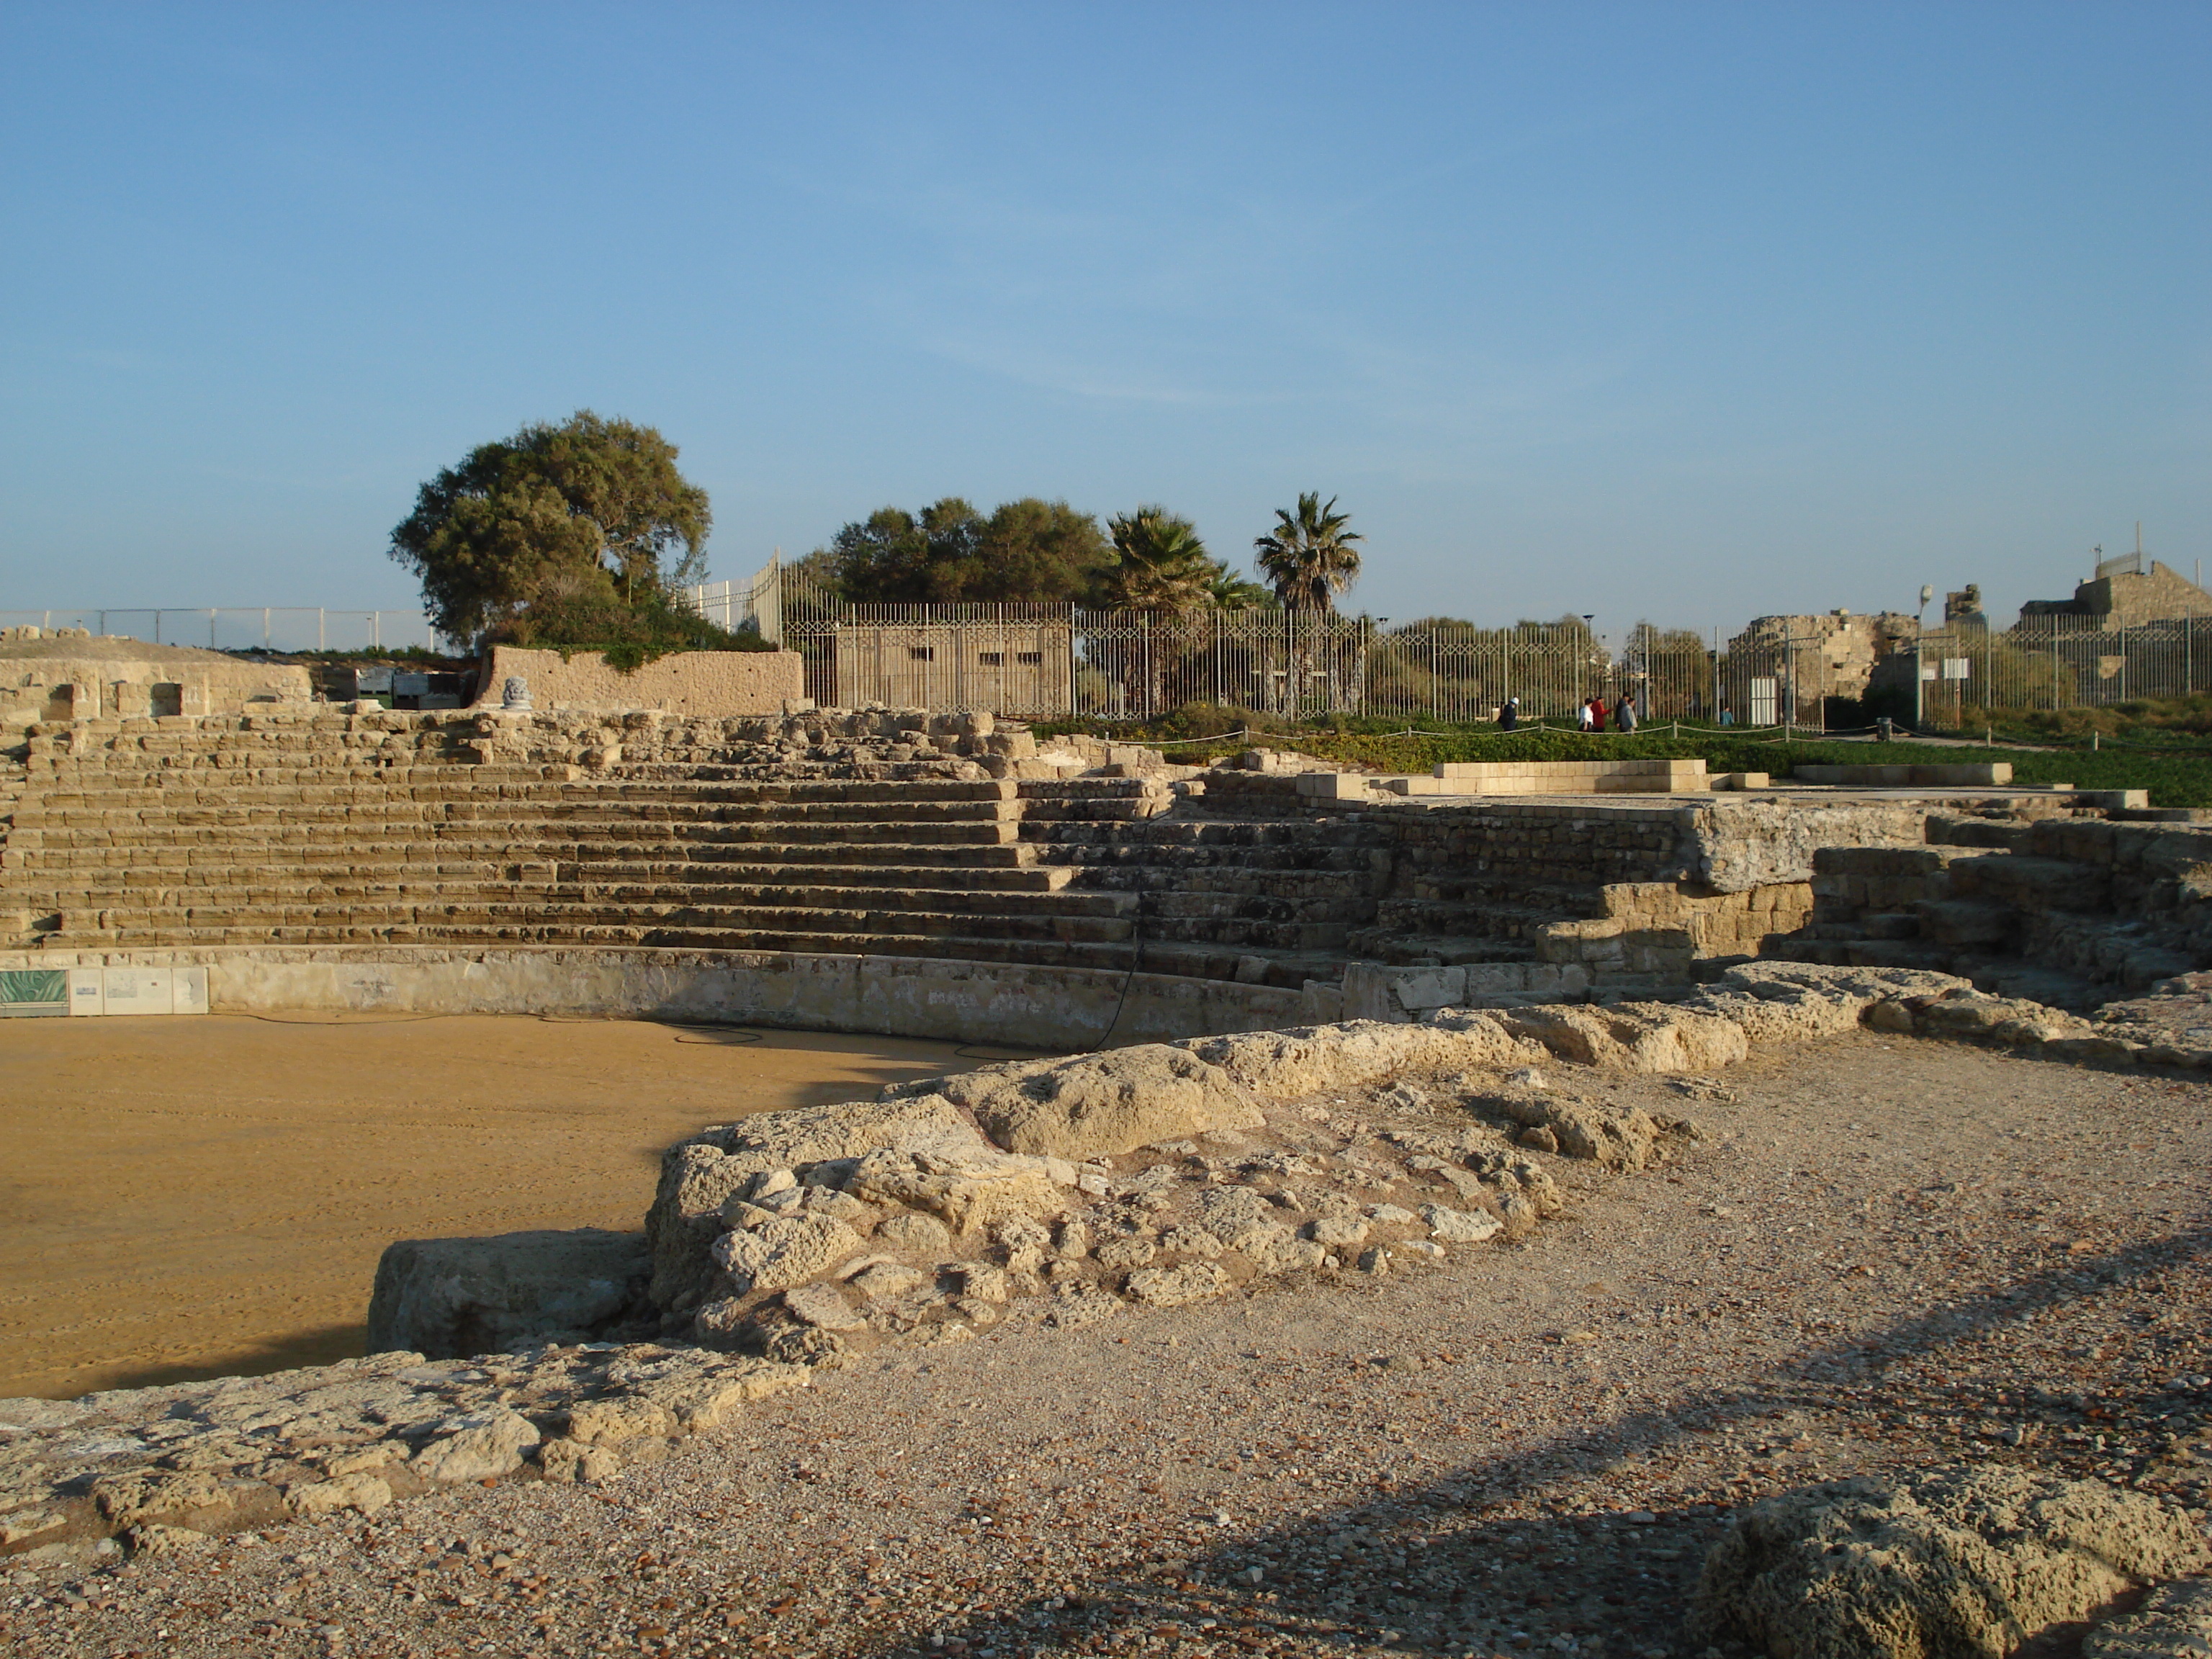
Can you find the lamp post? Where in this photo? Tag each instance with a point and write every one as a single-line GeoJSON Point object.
{"type": "Point", "coordinates": [1919, 627]}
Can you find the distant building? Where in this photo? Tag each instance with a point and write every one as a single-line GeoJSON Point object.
{"type": "Point", "coordinates": [2122, 592]}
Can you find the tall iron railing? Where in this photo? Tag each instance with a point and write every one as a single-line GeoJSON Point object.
{"type": "Point", "coordinates": [245, 627]}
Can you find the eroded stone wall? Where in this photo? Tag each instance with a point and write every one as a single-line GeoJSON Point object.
{"type": "Point", "coordinates": [708, 683]}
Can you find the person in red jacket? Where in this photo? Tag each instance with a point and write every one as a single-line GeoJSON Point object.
{"type": "Point", "coordinates": [1597, 714]}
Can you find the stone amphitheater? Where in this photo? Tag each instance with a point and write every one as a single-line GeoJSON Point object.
{"type": "Point", "coordinates": [1317, 1028]}
{"type": "Point", "coordinates": [938, 872]}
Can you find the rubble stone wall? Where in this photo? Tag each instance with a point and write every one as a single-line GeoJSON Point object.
{"type": "Point", "coordinates": [2116, 906]}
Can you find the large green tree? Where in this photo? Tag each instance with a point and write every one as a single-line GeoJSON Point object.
{"type": "Point", "coordinates": [584, 516]}
{"type": "Point", "coordinates": [1308, 557]}
{"type": "Point", "coordinates": [1027, 551]}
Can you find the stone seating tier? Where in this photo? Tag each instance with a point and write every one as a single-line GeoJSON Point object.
{"type": "Point", "coordinates": [136, 849]}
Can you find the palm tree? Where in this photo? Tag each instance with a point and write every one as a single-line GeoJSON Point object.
{"type": "Point", "coordinates": [1164, 565]}
{"type": "Point", "coordinates": [1227, 590]}
{"type": "Point", "coordinates": [1308, 560]}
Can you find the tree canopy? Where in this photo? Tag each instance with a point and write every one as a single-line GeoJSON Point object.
{"type": "Point", "coordinates": [575, 518]}
{"type": "Point", "coordinates": [1028, 551]}
{"type": "Point", "coordinates": [1308, 557]}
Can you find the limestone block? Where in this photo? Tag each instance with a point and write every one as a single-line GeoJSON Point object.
{"type": "Point", "coordinates": [1333, 786]}
{"type": "Point", "coordinates": [697, 1176]}
{"type": "Point", "coordinates": [362, 1492]}
{"type": "Point", "coordinates": [1287, 1064]}
{"type": "Point", "coordinates": [784, 1251]}
{"type": "Point", "coordinates": [1461, 1226]}
{"type": "Point", "coordinates": [967, 1195]}
{"type": "Point", "coordinates": [476, 1446]}
{"type": "Point", "coordinates": [1101, 1104]}
{"type": "Point", "coordinates": [1633, 1037]}
{"type": "Point", "coordinates": [1176, 1287]}
{"type": "Point", "coordinates": [1952, 1561]}
{"type": "Point", "coordinates": [450, 1298]}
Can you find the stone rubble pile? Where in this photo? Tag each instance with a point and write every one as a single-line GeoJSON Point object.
{"type": "Point", "coordinates": [1160, 1175]}
{"type": "Point", "coordinates": [165, 1467]}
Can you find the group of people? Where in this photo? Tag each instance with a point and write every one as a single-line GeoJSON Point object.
{"type": "Point", "coordinates": [1623, 714]}
{"type": "Point", "coordinates": [1594, 715]}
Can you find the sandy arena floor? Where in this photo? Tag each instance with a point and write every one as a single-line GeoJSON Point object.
{"type": "Point", "coordinates": [186, 1198]}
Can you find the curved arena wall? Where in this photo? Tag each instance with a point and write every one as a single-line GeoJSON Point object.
{"type": "Point", "coordinates": [1022, 1006]}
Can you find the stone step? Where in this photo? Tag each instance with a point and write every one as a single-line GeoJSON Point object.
{"type": "Point", "coordinates": [1027, 952]}
{"type": "Point", "coordinates": [1140, 859]}
{"type": "Point", "coordinates": [333, 853]}
{"type": "Point", "coordinates": [126, 780]}
{"type": "Point", "coordinates": [1183, 905]}
{"type": "Point", "coordinates": [402, 864]}
{"type": "Point", "coordinates": [494, 919]}
{"type": "Point", "coordinates": [973, 854]}
{"type": "Point", "coordinates": [551, 780]}
{"type": "Point", "coordinates": [849, 897]}
{"type": "Point", "coordinates": [1491, 920]}
{"type": "Point", "coordinates": [1435, 949]}
{"type": "Point", "coordinates": [1287, 970]}
{"type": "Point", "coordinates": [1245, 933]}
{"type": "Point", "coordinates": [259, 890]}
{"type": "Point", "coordinates": [383, 806]}
{"type": "Point", "coordinates": [2029, 883]}
{"type": "Point", "coordinates": [171, 833]}
{"type": "Point", "coordinates": [1219, 833]}
{"type": "Point", "coordinates": [1217, 881]}
{"type": "Point", "coordinates": [1011, 879]}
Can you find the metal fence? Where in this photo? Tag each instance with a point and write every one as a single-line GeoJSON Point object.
{"type": "Point", "coordinates": [1061, 661]}
{"type": "Point", "coordinates": [1051, 662]}
{"type": "Point", "coordinates": [247, 628]}
{"type": "Point", "coordinates": [754, 605]}
{"type": "Point", "coordinates": [2061, 662]}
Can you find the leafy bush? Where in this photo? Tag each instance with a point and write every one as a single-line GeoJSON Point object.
{"type": "Point", "coordinates": [630, 633]}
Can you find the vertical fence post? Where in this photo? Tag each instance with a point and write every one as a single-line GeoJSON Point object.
{"type": "Point", "coordinates": [376, 629]}
{"type": "Point", "coordinates": [1072, 699]}
{"type": "Point", "coordinates": [322, 632]}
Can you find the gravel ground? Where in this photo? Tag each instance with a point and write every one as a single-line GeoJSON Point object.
{"type": "Point", "coordinates": [1884, 1254]}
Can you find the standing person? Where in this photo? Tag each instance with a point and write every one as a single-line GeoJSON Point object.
{"type": "Point", "coordinates": [1624, 713]}
{"type": "Point", "coordinates": [1582, 714]}
{"type": "Point", "coordinates": [1509, 717]}
{"type": "Point", "coordinates": [1728, 715]}
{"type": "Point", "coordinates": [1598, 712]}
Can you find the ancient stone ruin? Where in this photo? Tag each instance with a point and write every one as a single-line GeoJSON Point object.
{"type": "Point", "coordinates": [1326, 1024]}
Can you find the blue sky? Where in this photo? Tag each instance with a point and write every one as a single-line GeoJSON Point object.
{"type": "Point", "coordinates": [1678, 311]}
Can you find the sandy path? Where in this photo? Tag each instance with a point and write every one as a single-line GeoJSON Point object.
{"type": "Point", "coordinates": [193, 1197]}
{"type": "Point", "coordinates": [1888, 1253]}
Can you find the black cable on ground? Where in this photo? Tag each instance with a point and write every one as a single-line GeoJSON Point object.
{"type": "Point", "coordinates": [1136, 942]}
{"type": "Point", "coordinates": [366, 1016]}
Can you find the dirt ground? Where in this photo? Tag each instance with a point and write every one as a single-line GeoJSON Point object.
{"type": "Point", "coordinates": [186, 1198]}
{"type": "Point", "coordinates": [1884, 1254]}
